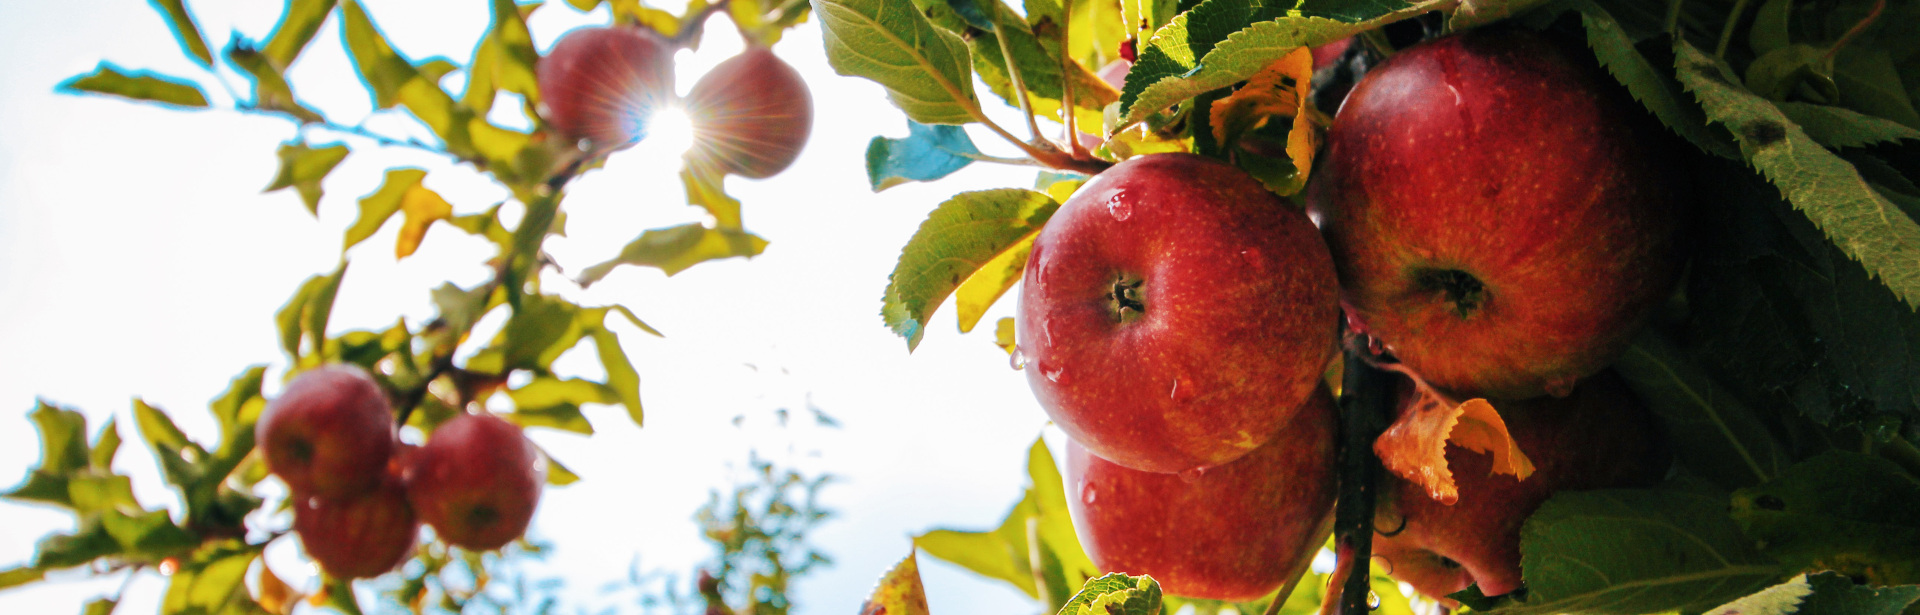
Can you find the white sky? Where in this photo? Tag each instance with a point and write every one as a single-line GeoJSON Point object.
{"type": "Point", "coordinates": [139, 258]}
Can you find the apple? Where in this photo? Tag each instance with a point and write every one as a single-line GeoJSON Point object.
{"type": "Point", "coordinates": [1174, 313]}
{"type": "Point", "coordinates": [360, 536]}
{"type": "Point", "coordinates": [1503, 215]}
{"type": "Point", "coordinates": [1234, 532]}
{"type": "Point", "coordinates": [476, 481]}
{"type": "Point", "coordinates": [751, 115]}
{"type": "Point", "coordinates": [602, 84]}
{"type": "Point", "coordinates": [1599, 437]}
{"type": "Point", "coordinates": [329, 434]}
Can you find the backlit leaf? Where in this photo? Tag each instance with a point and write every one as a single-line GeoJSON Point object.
{"type": "Point", "coordinates": [1415, 445]}
{"type": "Point", "coordinates": [184, 30]}
{"type": "Point", "coordinates": [84, 545]}
{"type": "Point", "coordinates": [1782, 599]}
{"type": "Point", "coordinates": [1275, 93]}
{"type": "Point", "coordinates": [1116, 594]}
{"type": "Point", "coordinates": [211, 581]}
{"type": "Point", "coordinates": [707, 190]}
{"type": "Point", "coordinates": [621, 376]}
{"type": "Point", "coordinates": [20, 576]}
{"type": "Point", "coordinates": [925, 69]}
{"type": "Point", "coordinates": [421, 207]}
{"type": "Point", "coordinates": [1036, 55]}
{"type": "Point", "coordinates": [271, 92]}
{"type": "Point", "coordinates": [305, 315]}
{"type": "Point", "coordinates": [376, 208]}
{"type": "Point", "coordinates": [675, 248]}
{"type": "Point", "coordinates": [926, 154]}
{"type": "Point", "coordinates": [302, 168]}
{"type": "Point", "coordinates": [899, 592]}
{"type": "Point", "coordinates": [105, 446]}
{"type": "Point", "coordinates": [148, 533]}
{"type": "Point", "coordinates": [558, 475]}
{"type": "Point", "coordinates": [553, 402]}
{"type": "Point", "coordinates": [961, 238]}
{"type": "Point", "coordinates": [394, 81]}
{"type": "Point", "coordinates": [63, 451]}
{"type": "Point", "coordinates": [1818, 183]}
{"type": "Point", "coordinates": [1840, 511]}
{"type": "Point", "coordinates": [108, 79]}
{"type": "Point", "coordinates": [298, 23]}
{"type": "Point", "coordinates": [1008, 553]}
{"type": "Point", "coordinates": [503, 61]}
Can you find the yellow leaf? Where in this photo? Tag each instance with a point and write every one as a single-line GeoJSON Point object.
{"type": "Point", "coordinates": [986, 285]}
{"type": "Point", "coordinates": [705, 189]}
{"type": "Point", "coordinates": [275, 595]}
{"type": "Point", "coordinates": [421, 207]}
{"type": "Point", "coordinates": [1414, 447]}
{"type": "Point", "coordinates": [1003, 334]}
{"type": "Point", "coordinates": [899, 592]}
{"type": "Point", "coordinates": [1279, 90]}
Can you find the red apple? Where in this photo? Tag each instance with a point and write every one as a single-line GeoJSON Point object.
{"type": "Point", "coordinates": [476, 481]}
{"type": "Point", "coordinates": [1234, 532]}
{"type": "Point", "coordinates": [1326, 55]}
{"type": "Point", "coordinates": [359, 536]}
{"type": "Point", "coordinates": [1599, 437]}
{"type": "Point", "coordinates": [751, 115]}
{"type": "Point", "coordinates": [329, 434]}
{"type": "Point", "coordinates": [1502, 213]}
{"type": "Point", "coordinates": [1174, 313]}
{"type": "Point", "coordinates": [602, 84]}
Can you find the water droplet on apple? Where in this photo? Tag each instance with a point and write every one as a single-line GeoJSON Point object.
{"type": "Point", "coordinates": [1562, 386]}
{"type": "Point", "coordinates": [1119, 207]}
{"type": "Point", "coordinates": [1192, 474]}
{"type": "Point", "coordinates": [1087, 494]}
{"type": "Point", "coordinates": [1054, 374]}
{"type": "Point", "coordinates": [1182, 390]}
{"type": "Point", "coordinates": [1457, 100]}
{"type": "Point", "coordinates": [1018, 360]}
{"type": "Point", "coordinates": [1373, 600]}
{"type": "Point", "coordinates": [1254, 259]}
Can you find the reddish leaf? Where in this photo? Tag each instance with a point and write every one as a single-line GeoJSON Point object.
{"type": "Point", "coordinates": [1415, 446]}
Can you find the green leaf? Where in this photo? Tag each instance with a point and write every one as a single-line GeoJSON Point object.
{"type": "Point", "coordinates": [1655, 88]}
{"type": "Point", "coordinates": [148, 534]}
{"type": "Point", "coordinates": [459, 309]}
{"type": "Point", "coordinates": [552, 402]}
{"type": "Point", "coordinates": [1222, 42]}
{"type": "Point", "coordinates": [899, 592]}
{"type": "Point", "coordinates": [963, 237]}
{"type": "Point", "coordinates": [184, 30]}
{"type": "Point", "coordinates": [1714, 434]}
{"type": "Point", "coordinates": [1840, 511]}
{"type": "Point", "coordinates": [1818, 183]}
{"type": "Point", "coordinates": [1008, 552]}
{"type": "Point", "coordinates": [926, 154]}
{"type": "Point", "coordinates": [302, 168]}
{"type": "Point", "coordinates": [1834, 594]}
{"type": "Point", "coordinates": [503, 61]}
{"type": "Point", "coordinates": [1782, 599]}
{"type": "Point", "coordinates": [1636, 551]}
{"type": "Point", "coordinates": [298, 23]}
{"type": "Point", "coordinates": [305, 315]}
{"type": "Point", "coordinates": [1771, 26]}
{"type": "Point", "coordinates": [93, 492]}
{"type": "Point", "coordinates": [1116, 594]}
{"type": "Point", "coordinates": [108, 79]}
{"type": "Point", "coordinates": [558, 475]}
{"type": "Point", "coordinates": [675, 248]}
{"type": "Point", "coordinates": [1787, 321]}
{"type": "Point", "coordinates": [271, 92]}
{"type": "Point", "coordinates": [926, 70]}
{"type": "Point", "coordinates": [89, 543]}
{"type": "Point", "coordinates": [377, 208]}
{"type": "Point", "coordinates": [1843, 127]}
{"type": "Point", "coordinates": [14, 577]}
{"type": "Point", "coordinates": [171, 448]}
{"type": "Point", "coordinates": [620, 374]}
{"type": "Point", "coordinates": [63, 451]}
{"type": "Point", "coordinates": [100, 606]}
{"type": "Point", "coordinates": [105, 446]}
{"type": "Point", "coordinates": [1870, 83]}
{"type": "Point", "coordinates": [1038, 60]}
{"type": "Point", "coordinates": [395, 81]}
{"type": "Point", "coordinates": [237, 409]}
{"type": "Point", "coordinates": [212, 581]}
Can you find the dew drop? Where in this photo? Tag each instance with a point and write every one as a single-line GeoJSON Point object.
{"type": "Point", "coordinates": [1561, 387]}
{"type": "Point", "coordinates": [1254, 259]}
{"type": "Point", "coordinates": [1373, 600]}
{"type": "Point", "coordinates": [1192, 474]}
{"type": "Point", "coordinates": [1119, 207]}
{"type": "Point", "coordinates": [1182, 390]}
{"type": "Point", "coordinates": [1054, 374]}
{"type": "Point", "coordinates": [1087, 494]}
{"type": "Point", "coordinates": [1018, 360]}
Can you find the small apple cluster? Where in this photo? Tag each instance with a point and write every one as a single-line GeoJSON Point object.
{"type": "Point", "coordinates": [751, 114]}
{"type": "Point", "coordinates": [359, 494]}
{"type": "Point", "coordinates": [1491, 208]}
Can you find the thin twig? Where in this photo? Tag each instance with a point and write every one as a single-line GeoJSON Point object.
{"type": "Point", "coordinates": [1673, 18]}
{"type": "Point", "coordinates": [1365, 404]}
{"type": "Point", "coordinates": [1726, 31]}
{"type": "Point", "coordinates": [1854, 31]}
{"type": "Point", "coordinates": [1067, 65]}
{"type": "Point", "coordinates": [1019, 83]}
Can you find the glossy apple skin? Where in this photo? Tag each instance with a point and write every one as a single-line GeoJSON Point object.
{"type": "Point", "coordinates": [1235, 532]}
{"type": "Point", "coordinates": [602, 83]}
{"type": "Point", "coordinates": [329, 433]}
{"type": "Point", "coordinates": [751, 115]}
{"type": "Point", "coordinates": [476, 481]}
{"type": "Point", "coordinates": [360, 536]}
{"type": "Point", "coordinates": [1599, 437]}
{"type": "Point", "coordinates": [1511, 158]}
{"type": "Point", "coordinates": [1232, 318]}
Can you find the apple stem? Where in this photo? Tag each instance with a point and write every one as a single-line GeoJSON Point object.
{"type": "Point", "coordinates": [1726, 32]}
{"type": "Point", "coordinates": [1872, 15]}
{"type": "Point", "coordinates": [1019, 82]}
{"type": "Point", "coordinates": [1067, 64]}
{"type": "Point", "coordinates": [1365, 403]}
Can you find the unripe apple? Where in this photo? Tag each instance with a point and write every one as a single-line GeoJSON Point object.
{"type": "Point", "coordinates": [1233, 532]}
{"type": "Point", "coordinates": [1502, 213]}
{"type": "Point", "coordinates": [1599, 437]}
{"type": "Point", "coordinates": [360, 536]}
{"type": "Point", "coordinates": [1174, 313]}
{"type": "Point", "coordinates": [476, 481]}
{"type": "Point", "coordinates": [329, 434]}
{"type": "Point", "coordinates": [602, 84]}
{"type": "Point", "coordinates": [751, 115]}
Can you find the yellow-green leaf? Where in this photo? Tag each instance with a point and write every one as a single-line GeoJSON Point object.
{"type": "Point", "coordinates": [298, 23]}
{"type": "Point", "coordinates": [422, 207]}
{"type": "Point", "coordinates": [376, 208]}
{"type": "Point", "coordinates": [899, 592]}
{"type": "Point", "coordinates": [674, 249]}
{"type": "Point", "coordinates": [302, 168]}
{"type": "Point", "coordinates": [109, 79]}
{"type": "Point", "coordinates": [925, 69]}
{"type": "Point", "coordinates": [184, 30]}
{"type": "Point", "coordinates": [963, 237]}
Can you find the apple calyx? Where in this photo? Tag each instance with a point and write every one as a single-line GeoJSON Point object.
{"type": "Point", "coordinates": [1126, 302]}
{"type": "Point", "coordinates": [1460, 290]}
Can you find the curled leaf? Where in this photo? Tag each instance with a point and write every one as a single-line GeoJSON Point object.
{"type": "Point", "coordinates": [899, 592]}
{"type": "Point", "coordinates": [1415, 446]}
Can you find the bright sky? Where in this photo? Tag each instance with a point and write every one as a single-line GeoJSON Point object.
{"type": "Point", "coordinates": [138, 258]}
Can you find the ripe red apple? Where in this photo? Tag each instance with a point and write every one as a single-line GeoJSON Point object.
{"type": "Point", "coordinates": [602, 84]}
{"type": "Point", "coordinates": [751, 115]}
{"type": "Point", "coordinates": [1174, 313]}
{"type": "Point", "coordinates": [360, 536]}
{"type": "Point", "coordinates": [1234, 532]}
{"type": "Point", "coordinates": [329, 434]}
{"type": "Point", "coordinates": [476, 481]}
{"type": "Point", "coordinates": [1599, 437]}
{"type": "Point", "coordinates": [1502, 213]}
